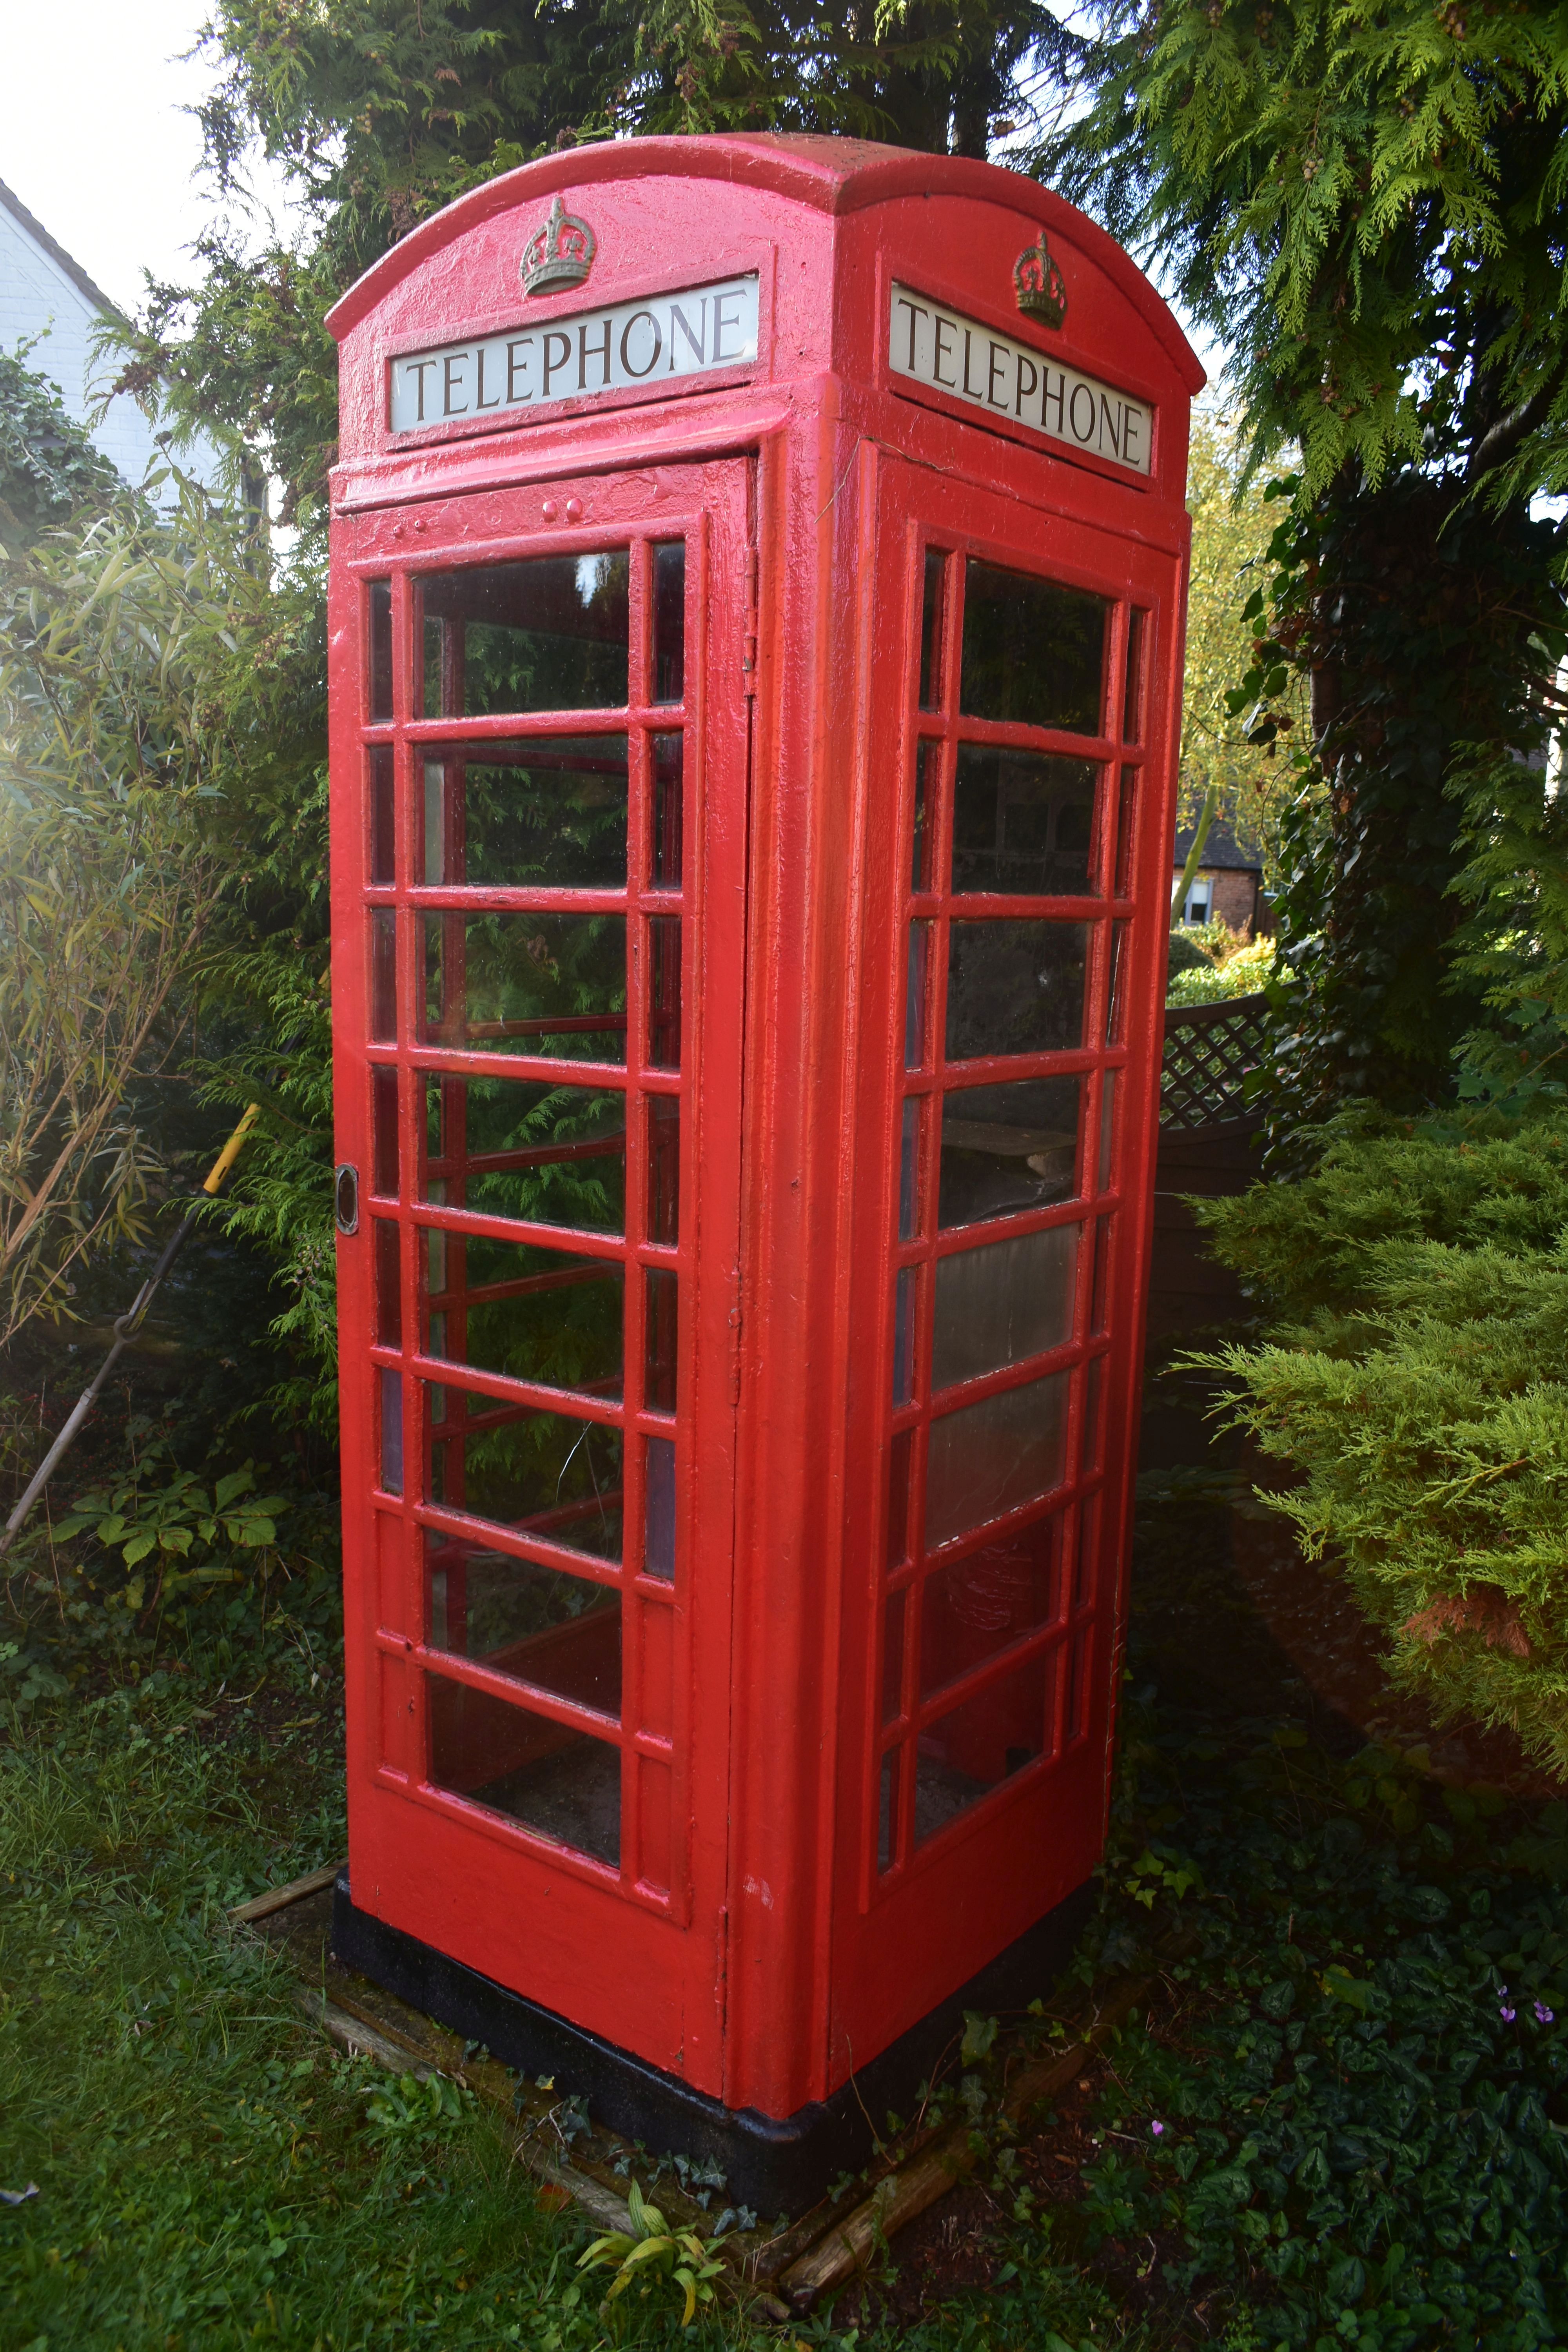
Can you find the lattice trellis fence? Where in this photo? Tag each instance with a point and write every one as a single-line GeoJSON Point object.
{"type": "Point", "coordinates": [1209, 1049]}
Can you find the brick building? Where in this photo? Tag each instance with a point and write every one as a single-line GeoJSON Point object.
{"type": "Point", "coordinates": [1229, 881]}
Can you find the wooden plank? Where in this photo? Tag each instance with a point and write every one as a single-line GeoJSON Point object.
{"type": "Point", "coordinates": [361, 2041]}
{"type": "Point", "coordinates": [278, 1898]}
{"type": "Point", "coordinates": [927, 2176]}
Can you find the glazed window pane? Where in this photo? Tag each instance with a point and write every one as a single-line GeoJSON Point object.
{"type": "Point", "coordinates": [548, 634]}
{"type": "Point", "coordinates": [1002, 1303]}
{"type": "Point", "coordinates": [556, 1781]}
{"type": "Point", "coordinates": [549, 1155]}
{"type": "Point", "coordinates": [545, 814]}
{"type": "Point", "coordinates": [554, 985]}
{"type": "Point", "coordinates": [992, 1457]}
{"type": "Point", "coordinates": [1007, 1147]}
{"type": "Point", "coordinates": [1023, 824]}
{"type": "Point", "coordinates": [541, 1474]}
{"type": "Point", "coordinates": [558, 1633]}
{"type": "Point", "coordinates": [537, 1314]}
{"type": "Point", "coordinates": [982, 1604]}
{"type": "Point", "coordinates": [1034, 652]}
{"type": "Point", "coordinates": [1014, 986]}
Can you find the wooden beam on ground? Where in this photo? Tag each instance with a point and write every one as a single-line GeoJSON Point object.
{"type": "Point", "coordinates": [927, 2175]}
{"type": "Point", "coordinates": [278, 1898]}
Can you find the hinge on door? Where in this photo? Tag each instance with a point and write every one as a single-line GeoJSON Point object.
{"type": "Point", "coordinates": [734, 1355]}
{"type": "Point", "coordinates": [748, 656]}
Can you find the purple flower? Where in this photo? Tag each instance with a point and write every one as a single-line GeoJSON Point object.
{"type": "Point", "coordinates": [1543, 2014]}
{"type": "Point", "coordinates": [1156, 2128]}
{"type": "Point", "coordinates": [1506, 2014]}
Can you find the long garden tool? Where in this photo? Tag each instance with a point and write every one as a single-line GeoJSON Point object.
{"type": "Point", "coordinates": [126, 1328]}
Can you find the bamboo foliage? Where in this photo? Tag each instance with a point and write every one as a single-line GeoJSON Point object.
{"type": "Point", "coordinates": [122, 639]}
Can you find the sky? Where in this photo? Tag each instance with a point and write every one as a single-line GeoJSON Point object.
{"type": "Point", "coordinates": [92, 134]}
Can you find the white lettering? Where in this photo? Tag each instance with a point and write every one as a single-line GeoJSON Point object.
{"type": "Point", "coordinates": [692, 333]}
{"type": "Point", "coordinates": [929, 345]}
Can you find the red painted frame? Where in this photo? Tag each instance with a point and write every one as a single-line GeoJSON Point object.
{"type": "Point", "coordinates": [780, 1955]}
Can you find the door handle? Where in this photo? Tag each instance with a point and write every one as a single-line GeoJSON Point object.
{"type": "Point", "coordinates": [345, 1198]}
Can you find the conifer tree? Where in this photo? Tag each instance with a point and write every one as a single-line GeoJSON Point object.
{"type": "Point", "coordinates": [381, 111]}
{"type": "Point", "coordinates": [1366, 203]}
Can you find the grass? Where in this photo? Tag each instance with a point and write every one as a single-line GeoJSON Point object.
{"type": "Point", "coordinates": [209, 2173]}
{"type": "Point", "coordinates": [1359, 2069]}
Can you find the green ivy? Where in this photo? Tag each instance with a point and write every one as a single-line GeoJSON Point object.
{"type": "Point", "coordinates": [49, 470]}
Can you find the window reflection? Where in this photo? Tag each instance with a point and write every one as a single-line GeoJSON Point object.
{"type": "Point", "coordinates": [384, 977]}
{"type": "Point", "coordinates": [391, 1431]}
{"type": "Point", "coordinates": [551, 814]}
{"type": "Point", "coordinates": [992, 1457]}
{"type": "Point", "coordinates": [666, 812]}
{"type": "Point", "coordinates": [906, 1314]}
{"type": "Point", "coordinates": [1023, 824]}
{"type": "Point", "coordinates": [659, 1530]}
{"type": "Point", "coordinates": [893, 1655]}
{"type": "Point", "coordinates": [540, 1474]}
{"type": "Point", "coordinates": [915, 995]}
{"type": "Point", "coordinates": [380, 697]}
{"type": "Point", "coordinates": [558, 1633]}
{"type": "Point", "coordinates": [1003, 1302]}
{"type": "Point", "coordinates": [661, 1309]}
{"type": "Point", "coordinates": [928, 760]}
{"type": "Point", "coordinates": [982, 1604]}
{"type": "Point", "coordinates": [663, 1169]}
{"type": "Point", "coordinates": [537, 1315]}
{"type": "Point", "coordinates": [969, 1752]}
{"type": "Point", "coordinates": [670, 621]}
{"type": "Point", "coordinates": [382, 866]}
{"type": "Point", "coordinates": [934, 603]}
{"type": "Point", "coordinates": [547, 634]}
{"type": "Point", "coordinates": [664, 993]}
{"type": "Point", "coordinates": [549, 1155]}
{"type": "Point", "coordinates": [388, 1283]}
{"type": "Point", "coordinates": [526, 983]}
{"type": "Point", "coordinates": [1033, 651]}
{"type": "Point", "coordinates": [384, 1112]}
{"type": "Point", "coordinates": [1132, 689]}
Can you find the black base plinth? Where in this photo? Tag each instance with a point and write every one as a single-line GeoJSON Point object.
{"type": "Point", "coordinates": [775, 2167]}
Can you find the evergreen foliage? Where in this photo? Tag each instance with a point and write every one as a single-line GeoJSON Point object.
{"type": "Point", "coordinates": [1415, 1378]}
{"type": "Point", "coordinates": [1234, 523]}
{"type": "Point", "coordinates": [1428, 627]}
{"type": "Point", "coordinates": [381, 111]}
{"type": "Point", "coordinates": [48, 467]}
{"type": "Point", "coordinates": [1366, 204]}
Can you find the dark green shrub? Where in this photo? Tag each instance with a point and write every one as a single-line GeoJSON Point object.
{"type": "Point", "coordinates": [1416, 1377]}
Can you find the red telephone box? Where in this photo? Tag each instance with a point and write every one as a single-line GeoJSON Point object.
{"type": "Point", "coordinates": [756, 626]}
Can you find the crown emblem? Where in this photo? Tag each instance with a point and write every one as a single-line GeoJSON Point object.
{"type": "Point", "coordinates": [559, 253]}
{"type": "Point", "coordinates": [1039, 285]}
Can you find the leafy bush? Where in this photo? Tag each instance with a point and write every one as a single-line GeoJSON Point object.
{"type": "Point", "coordinates": [1350, 2118]}
{"type": "Point", "coordinates": [175, 1531]}
{"type": "Point", "coordinates": [120, 638]}
{"type": "Point", "coordinates": [1236, 970]}
{"type": "Point", "coordinates": [1416, 1376]}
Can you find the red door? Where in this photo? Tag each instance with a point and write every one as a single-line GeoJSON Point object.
{"type": "Point", "coordinates": [538, 874]}
{"type": "Point", "coordinates": [997, 1259]}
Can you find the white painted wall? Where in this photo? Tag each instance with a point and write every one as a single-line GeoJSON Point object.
{"type": "Point", "coordinates": [39, 298]}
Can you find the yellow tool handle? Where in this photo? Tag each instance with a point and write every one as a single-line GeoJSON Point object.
{"type": "Point", "coordinates": [231, 1149]}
